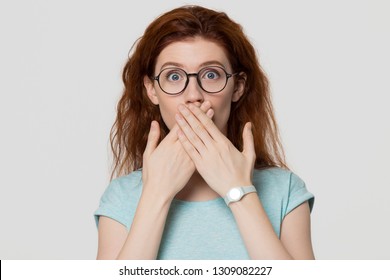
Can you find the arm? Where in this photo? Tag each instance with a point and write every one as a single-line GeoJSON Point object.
{"type": "Point", "coordinates": [260, 238]}
{"type": "Point", "coordinates": [159, 188]}
{"type": "Point", "coordinates": [143, 239]}
{"type": "Point", "coordinates": [224, 167]}
{"type": "Point", "coordinates": [111, 237]}
{"type": "Point", "coordinates": [255, 228]}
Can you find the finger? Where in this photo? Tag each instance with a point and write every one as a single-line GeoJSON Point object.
{"type": "Point", "coordinates": [248, 143]}
{"type": "Point", "coordinates": [172, 135]}
{"type": "Point", "coordinates": [205, 106]}
{"type": "Point", "coordinates": [195, 125]}
{"type": "Point", "coordinates": [175, 129]}
{"type": "Point", "coordinates": [192, 132]}
{"type": "Point", "coordinates": [153, 137]}
{"type": "Point", "coordinates": [192, 127]}
{"type": "Point", "coordinates": [210, 113]}
{"type": "Point", "coordinates": [206, 122]}
{"type": "Point", "coordinates": [189, 148]}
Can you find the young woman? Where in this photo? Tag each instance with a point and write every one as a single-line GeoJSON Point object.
{"type": "Point", "coordinates": [199, 165]}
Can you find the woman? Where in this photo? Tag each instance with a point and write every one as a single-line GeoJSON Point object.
{"type": "Point", "coordinates": [196, 135]}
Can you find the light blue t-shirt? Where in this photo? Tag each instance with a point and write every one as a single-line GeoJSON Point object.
{"type": "Point", "coordinates": [206, 230]}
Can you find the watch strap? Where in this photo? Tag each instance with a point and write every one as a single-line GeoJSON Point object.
{"type": "Point", "coordinates": [243, 190]}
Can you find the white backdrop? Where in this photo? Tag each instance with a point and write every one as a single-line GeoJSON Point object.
{"type": "Point", "coordinates": [60, 71]}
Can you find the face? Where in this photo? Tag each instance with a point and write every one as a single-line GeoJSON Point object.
{"type": "Point", "coordinates": [192, 55]}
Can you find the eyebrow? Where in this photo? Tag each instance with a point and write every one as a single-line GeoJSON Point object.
{"type": "Point", "coordinates": [207, 63]}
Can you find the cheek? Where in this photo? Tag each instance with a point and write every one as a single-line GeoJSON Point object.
{"type": "Point", "coordinates": [168, 111]}
{"type": "Point", "coordinates": [222, 113]}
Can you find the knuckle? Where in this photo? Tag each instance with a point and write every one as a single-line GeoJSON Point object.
{"type": "Point", "coordinates": [208, 123]}
{"type": "Point", "coordinates": [198, 128]}
{"type": "Point", "coordinates": [192, 137]}
{"type": "Point", "coordinates": [191, 149]}
{"type": "Point", "coordinates": [226, 144]}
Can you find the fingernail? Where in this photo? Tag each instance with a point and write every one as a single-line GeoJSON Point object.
{"type": "Point", "coordinates": [210, 113]}
{"type": "Point", "coordinates": [206, 105]}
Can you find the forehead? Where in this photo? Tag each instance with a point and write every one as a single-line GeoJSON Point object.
{"type": "Point", "coordinates": [191, 54]}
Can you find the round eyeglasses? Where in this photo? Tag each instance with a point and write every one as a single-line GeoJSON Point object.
{"type": "Point", "coordinates": [211, 79]}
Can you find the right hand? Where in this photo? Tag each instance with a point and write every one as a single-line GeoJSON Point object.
{"type": "Point", "coordinates": [166, 166]}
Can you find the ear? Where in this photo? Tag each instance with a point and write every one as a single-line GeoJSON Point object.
{"type": "Point", "coordinates": [150, 90]}
{"type": "Point", "coordinates": [239, 87]}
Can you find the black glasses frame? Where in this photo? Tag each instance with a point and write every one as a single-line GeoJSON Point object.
{"type": "Point", "coordinates": [188, 75]}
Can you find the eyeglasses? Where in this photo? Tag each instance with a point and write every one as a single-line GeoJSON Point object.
{"type": "Point", "coordinates": [211, 79]}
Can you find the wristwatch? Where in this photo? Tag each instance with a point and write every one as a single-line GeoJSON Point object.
{"type": "Point", "coordinates": [237, 193]}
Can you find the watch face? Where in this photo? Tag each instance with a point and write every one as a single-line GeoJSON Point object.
{"type": "Point", "coordinates": [235, 194]}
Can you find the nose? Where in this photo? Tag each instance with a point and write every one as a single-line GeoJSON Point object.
{"type": "Point", "coordinates": [193, 93]}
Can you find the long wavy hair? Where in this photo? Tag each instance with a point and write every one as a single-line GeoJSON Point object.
{"type": "Point", "coordinates": [135, 111]}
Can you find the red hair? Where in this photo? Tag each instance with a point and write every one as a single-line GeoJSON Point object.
{"type": "Point", "coordinates": [135, 111]}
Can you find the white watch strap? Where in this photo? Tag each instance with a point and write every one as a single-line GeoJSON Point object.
{"type": "Point", "coordinates": [237, 193]}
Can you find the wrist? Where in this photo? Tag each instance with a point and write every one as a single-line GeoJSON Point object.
{"type": "Point", "coordinates": [156, 197]}
{"type": "Point", "coordinates": [235, 194]}
{"type": "Point", "coordinates": [226, 185]}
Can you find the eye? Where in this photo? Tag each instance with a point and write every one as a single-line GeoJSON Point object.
{"type": "Point", "coordinates": [174, 76]}
{"type": "Point", "coordinates": [211, 74]}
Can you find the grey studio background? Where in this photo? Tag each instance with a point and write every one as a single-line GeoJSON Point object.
{"type": "Point", "coordinates": [60, 71]}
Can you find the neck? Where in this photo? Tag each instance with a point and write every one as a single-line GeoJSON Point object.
{"type": "Point", "coordinates": [196, 190]}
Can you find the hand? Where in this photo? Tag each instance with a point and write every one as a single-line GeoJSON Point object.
{"type": "Point", "coordinates": [220, 164]}
{"type": "Point", "coordinates": [166, 166]}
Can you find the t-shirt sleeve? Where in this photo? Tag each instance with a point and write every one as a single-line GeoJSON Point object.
{"type": "Point", "coordinates": [111, 204]}
{"type": "Point", "coordinates": [298, 194]}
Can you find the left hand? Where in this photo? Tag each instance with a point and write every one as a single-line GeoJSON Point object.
{"type": "Point", "coordinates": [217, 160]}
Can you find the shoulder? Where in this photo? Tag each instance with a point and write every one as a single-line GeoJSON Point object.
{"type": "Point", "coordinates": [129, 181]}
{"type": "Point", "coordinates": [120, 198]}
{"type": "Point", "coordinates": [125, 186]}
{"type": "Point", "coordinates": [281, 184]}
{"type": "Point", "coordinates": [277, 177]}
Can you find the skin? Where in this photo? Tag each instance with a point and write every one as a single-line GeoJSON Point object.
{"type": "Point", "coordinates": [205, 165]}
{"type": "Point", "coordinates": [191, 55]}
{"type": "Point", "coordinates": [181, 54]}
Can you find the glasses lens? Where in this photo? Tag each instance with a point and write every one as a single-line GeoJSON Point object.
{"type": "Point", "coordinates": [212, 79]}
{"type": "Point", "coordinates": [172, 80]}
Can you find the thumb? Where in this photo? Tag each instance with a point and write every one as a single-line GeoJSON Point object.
{"type": "Point", "coordinates": [172, 135]}
{"type": "Point", "coordinates": [248, 144]}
{"type": "Point", "coordinates": [153, 137]}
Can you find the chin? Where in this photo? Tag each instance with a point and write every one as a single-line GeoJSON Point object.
{"type": "Point", "coordinates": [169, 122]}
